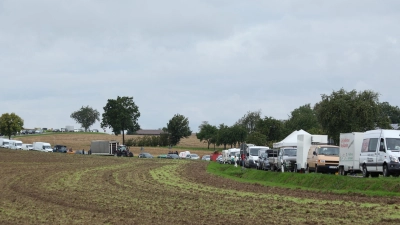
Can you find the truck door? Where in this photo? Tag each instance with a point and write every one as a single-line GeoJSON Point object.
{"type": "Point", "coordinates": [381, 155]}
{"type": "Point", "coordinates": [369, 153]}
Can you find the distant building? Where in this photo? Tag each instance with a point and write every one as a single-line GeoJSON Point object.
{"type": "Point", "coordinates": [148, 132]}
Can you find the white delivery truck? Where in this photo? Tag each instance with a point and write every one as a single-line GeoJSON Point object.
{"type": "Point", "coordinates": [304, 143]}
{"type": "Point", "coordinates": [380, 153]}
{"type": "Point", "coordinates": [42, 146]}
{"type": "Point", "coordinates": [225, 156]}
{"type": "Point", "coordinates": [349, 152]}
{"type": "Point", "coordinates": [27, 147]}
{"type": "Point", "coordinates": [232, 153]}
{"type": "Point", "coordinates": [15, 144]}
{"type": "Point", "coordinates": [4, 143]}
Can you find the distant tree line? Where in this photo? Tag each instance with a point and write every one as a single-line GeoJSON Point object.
{"type": "Point", "coordinates": [340, 112]}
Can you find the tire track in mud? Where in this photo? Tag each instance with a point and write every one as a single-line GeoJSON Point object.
{"type": "Point", "coordinates": [108, 190]}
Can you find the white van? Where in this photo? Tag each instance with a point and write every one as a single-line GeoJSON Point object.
{"type": "Point", "coordinates": [15, 144]}
{"type": "Point", "coordinates": [27, 147]}
{"type": "Point", "coordinates": [252, 155]}
{"type": "Point", "coordinates": [4, 143]}
{"type": "Point", "coordinates": [232, 152]}
{"type": "Point", "coordinates": [183, 155]}
{"type": "Point", "coordinates": [42, 146]}
{"type": "Point", "coordinates": [380, 152]}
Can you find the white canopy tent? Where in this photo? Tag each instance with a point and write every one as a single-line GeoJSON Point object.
{"type": "Point", "coordinates": [290, 140]}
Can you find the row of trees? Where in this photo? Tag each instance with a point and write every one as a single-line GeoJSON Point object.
{"type": "Point", "coordinates": [340, 112]}
{"type": "Point", "coordinates": [119, 115]}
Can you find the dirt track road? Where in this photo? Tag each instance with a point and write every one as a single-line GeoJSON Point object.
{"type": "Point", "coordinates": [51, 188]}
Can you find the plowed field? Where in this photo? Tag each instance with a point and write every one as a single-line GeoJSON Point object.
{"type": "Point", "coordinates": [53, 188]}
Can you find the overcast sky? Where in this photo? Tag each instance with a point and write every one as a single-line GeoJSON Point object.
{"type": "Point", "coordinates": [207, 60]}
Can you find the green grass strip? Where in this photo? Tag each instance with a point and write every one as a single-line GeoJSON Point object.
{"type": "Point", "coordinates": [382, 186]}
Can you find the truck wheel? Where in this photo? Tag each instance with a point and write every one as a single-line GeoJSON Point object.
{"type": "Point", "coordinates": [365, 173]}
{"type": "Point", "coordinates": [385, 171]}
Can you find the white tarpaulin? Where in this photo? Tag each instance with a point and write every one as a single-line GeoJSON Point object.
{"type": "Point", "coordinates": [290, 140]}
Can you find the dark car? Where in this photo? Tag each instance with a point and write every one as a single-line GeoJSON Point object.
{"type": "Point", "coordinates": [56, 130]}
{"type": "Point", "coordinates": [31, 132]}
{"type": "Point", "coordinates": [173, 156]}
{"type": "Point", "coordinates": [145, 155]}
{"type": "Point", "coordinates": [60, 148]}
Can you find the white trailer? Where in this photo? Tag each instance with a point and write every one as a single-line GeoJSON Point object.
{"type": "Point", "coordinates": [15, 144]}
{"type": "Point", "coordinates": [349, 153]}
{"type": "Point", "coordinates": [69, 128]}
{"type": "Point", "coordinates": [304, 142]}
{"type": "Point", "coordinates": [102, 147]}
{"type": "Point", "coordinates": [4, 143]}
{"type": "Point", "coordinates": [42, 146]}
{"type": "Point", "coordinates": [225, 156]}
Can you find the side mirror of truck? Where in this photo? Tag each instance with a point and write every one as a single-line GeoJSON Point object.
{"type": "Point", "coordinates": [314, 153]}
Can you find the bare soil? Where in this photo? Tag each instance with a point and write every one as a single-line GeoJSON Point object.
{"type": "Point", "coordinates": [55, 188]}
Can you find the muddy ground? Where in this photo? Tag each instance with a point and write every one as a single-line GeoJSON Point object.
{"type": "Point", "coordinates": [54, 188]}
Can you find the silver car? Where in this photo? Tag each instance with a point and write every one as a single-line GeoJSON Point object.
{"type": "Point", "coordinates": [192, 156]}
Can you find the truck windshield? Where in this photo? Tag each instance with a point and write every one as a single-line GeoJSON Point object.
{"type": "Point", "coordinates": [393, 144]}
{"type": "Point", "coordinates": [254, 151]}
{"type": "Point", "coordinates": [18, 144]}
{"type": "Point", "coordinates": [46, 147]}
{"type": "Point", "coordinates": [328, 151]}
{"type": "Point", "coordinates": [290, 152]}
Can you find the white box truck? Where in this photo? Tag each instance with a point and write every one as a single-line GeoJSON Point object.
{"type": "Point", "coordinates": [380, 153]}
{"type": "Point", "coordinates": [15, 144]}
{"type": "Point", "coordinates": [304, 143]}
{"type": "Point", "coordinates": [42, 146]}
{"type": "Point", "coordinates": [349, 152]}
{"type": "Point", "coordinates": [4, 143]}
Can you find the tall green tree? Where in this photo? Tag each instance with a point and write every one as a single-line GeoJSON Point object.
{"type": "Point", "coordinates": [238, 134]}
{"type": "Point", "coordinates": [343, 112]}
{"type": "Point", "coordinates": [257, 138]}
{"type": "Point", "coordinates": [250, 120]}
{"type": "Point", "coordinates": [391, 112]}
{"type": "Point", "coordinates": [304, 118]}
{"type": "Point", "coordinates": [224, 136]}
{"type": "Point", "coordinates": [86, 116]}
{"type": "Point", "coordinates": [177, 128]}
{"type": "Point", "coordinates": [208, 133]}
{"type": "Point", "coordinates": [272, 128]}
{"type": "Point", "coordinates": [121, 114]}
{"type": "Point", "coordinates": [10, 124]}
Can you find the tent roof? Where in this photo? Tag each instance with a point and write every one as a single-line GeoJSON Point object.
{"type": "Point", "coordinates": [290, 140]}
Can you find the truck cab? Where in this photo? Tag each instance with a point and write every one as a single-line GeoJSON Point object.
{"type": "Point", "coordinates": [380, 153]}
{"type": "Point", "coordinates": [323, 158]}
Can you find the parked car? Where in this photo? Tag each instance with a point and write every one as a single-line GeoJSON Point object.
{"type": "Point", "coordinates": [173, 156]}
{"type": "Point", "coordinates": [56, 130]}
{"type": "Point", "coordinates": [219, 159]}
{"type": "Point", "coordinates": [24, 132]}
{"type": "Point", "coordinates": [206, 157]}
{"type": "Point", "coordinates": [38, 131]}
{"type": "Point", "coordinates": [162, 156]}
{"type": "Point", "coordinates": [31, 131]}
{"type": "Point", "coordinates": [94, 130]}
{"type": "Point", "coordinates": [192, 156]}
{"type": "Point", "coordinates": [145, 155]}
{"type": "Point", "coordinates": [60, 148]}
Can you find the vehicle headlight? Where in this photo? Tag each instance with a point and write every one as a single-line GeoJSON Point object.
{"type": "Point", "coordinates": [393, 159]}
{"type": "Point", "coordinates": [322, 160]}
